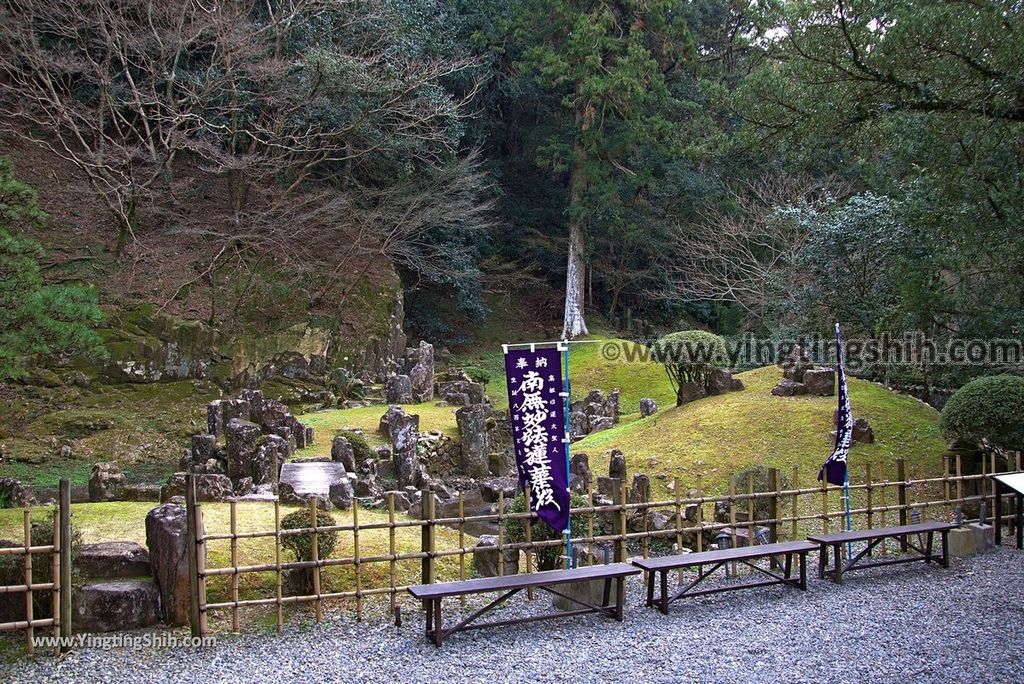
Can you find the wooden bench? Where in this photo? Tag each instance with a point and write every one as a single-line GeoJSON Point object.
{"type": "Point", "coordinates": [873, 538]}
{"type": "Point", "coordinates": [716, 559]}
{"type": "Point", "coordinates": [510, 585]}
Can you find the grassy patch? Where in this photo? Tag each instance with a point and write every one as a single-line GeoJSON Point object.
{"type": "Point", "coordinates": [718, 436]}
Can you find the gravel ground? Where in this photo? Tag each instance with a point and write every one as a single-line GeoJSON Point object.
{"type": "Point", "coordinates": [910, 623]}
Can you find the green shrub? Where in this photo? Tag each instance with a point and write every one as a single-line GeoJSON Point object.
{"type": "Point", "coordinates": [477, 374]}
{"type": "Point", "coordinates": [12, 566]}
{"type": "Point", "coordinates": [302, 544]}
{"type": "Point", "coordinates": [360, 447]}
{"type": "Point", "coordinates": [989, 408]}
{"type": "Point", "coordinates": [345, 385]}
{"type": "Point", "coordinates": [689, 356]}
{"type": "Point", "coordinates": [548, 556]}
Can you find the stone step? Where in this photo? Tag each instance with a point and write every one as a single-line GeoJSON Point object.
{"type": "Point", "coordinates": [116, 605]}
{"type": "Point", "coordinates": [114, 560]}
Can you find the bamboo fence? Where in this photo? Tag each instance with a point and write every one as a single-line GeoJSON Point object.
{"type": "Point", "coordinates": [616, 527]}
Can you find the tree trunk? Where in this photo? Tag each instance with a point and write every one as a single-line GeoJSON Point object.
{"type": "Point", "coordinates": [573, 324]}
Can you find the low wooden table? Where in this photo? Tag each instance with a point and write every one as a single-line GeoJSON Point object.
{"type": "Point", "coordinates": [874, 537]}
{"type": "Point", "coordinates": [510, 585]}
{"type": "Point", "coordinates": [716, 559]}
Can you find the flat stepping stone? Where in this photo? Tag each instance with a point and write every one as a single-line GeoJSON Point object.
{"type": "Point", "coordinates": [312, 477]}
{"type": "Point", "coordinates": [114, 559]}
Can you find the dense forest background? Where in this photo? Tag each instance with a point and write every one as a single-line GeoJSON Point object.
{"type": "Point", "coordinates": [761, 167]}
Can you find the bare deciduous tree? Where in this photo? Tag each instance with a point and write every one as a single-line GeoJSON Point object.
{"type": "Point", "coordinates": [742, 249]}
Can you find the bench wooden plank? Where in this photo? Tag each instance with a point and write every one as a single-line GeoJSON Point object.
{"type": "Point", "coordinates": [524, 581]}
{"type": "Point", "coordinates": [875, 533]}
{"type": "Point", "coordinates": [742, 553]}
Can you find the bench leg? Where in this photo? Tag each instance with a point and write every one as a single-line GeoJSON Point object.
{"type": "Point", "coordinates": [945, 548]}
{"type": "Point", "coordinates": [438, 630]}
{"type": "Point", "coordinates": [664, 592]}
{"type": "Point", "coordinates": [803, 571]}
{"type": "Point", "coordinates": [928, 548]}
{"type": "Point", "coordinates": [429, 621]}
{"type": "Point", "coordinates": [837, 573]}
{"type": "Point", "coordinates": [650, 588]}
{"type": "Point", "coordinates": [789, 565]}
{"type": "Point", "coordinates": [822, 560]}
{"type": "Point", "coordinates": [606, 596]}
{"type": "Point", "coordinates": [620, 597]}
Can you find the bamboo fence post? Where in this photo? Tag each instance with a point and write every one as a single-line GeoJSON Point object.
{"type": "Point", "coordinates": [946, 487]}
{"type": "Point", "coordinates": [528, 532]}
{"type": "Point", "coordinates": [427, 538]}
{"type": "Point", "coordinates": [200, 551]}
{"type": "Point", "coordinates": [234, 565]}
{"type": "Point", "coordinates": [620, 543]}
{"type": "Point", "coordinates": [796, 503]}
{"type": "Point", "coordinates": [355, 560]}
{"type": "Point", "coordinates": [992, 502]}
{"type": "Point", "coordinates": [824, 505]}
{"type": "Point", "coordinates": [679, 516]}
{"type": "Point", "coordinates": [751, 512]}
{"type": "Point", "coordinates": [883, 489]}
{"type": "Point", "coordinates": [700, 513]}
{"type": "Point", "coordinates": [590, 523]}
{"type": "Point", "coordinates": [773, 510]}
{"type": "Point", "coordinates": [315, 557]}
{"type": "Point", "coordinates": [646, 498]}
{"type": "Point", "coordinates": [392, 551]}
{"type": "Point", "coordinates": [277, 564]}
{"type": "Point", "coordinates": [732, 516]}
{"type": "Point", "coordinates": [901, 495]}
{"type": "Point", "coordinates": [462, 544]}
{"type": "Point", "coordinates": [192, 551]}
{"type": "Point", "coordinates": [65, 561]}
{"type": "Point", "coordinates": [959, 481]}
{"type": "Point", "coordinates": [55, 579]}
{"type": "Point", "coordinates": [869, 494]}
{"type": "Point", "coordinates": [501, 534]}
{"type": "Point", "coordinates": [27, 565]}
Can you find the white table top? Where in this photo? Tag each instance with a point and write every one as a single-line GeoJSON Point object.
{"type": "Point", "coordinates": [1014, 481]}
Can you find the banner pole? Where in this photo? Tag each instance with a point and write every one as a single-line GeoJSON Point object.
{"type": "Point", "coordinates": [568, 477]}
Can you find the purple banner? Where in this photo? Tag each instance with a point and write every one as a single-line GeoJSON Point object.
{"type": "Point", "coordinates": [833, 470]}
{"type": "Point", "coordinates": [537, 410]}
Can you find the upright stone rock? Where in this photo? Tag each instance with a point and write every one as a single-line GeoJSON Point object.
{"type": "Point", "coordinates": [391, 417]}
{"type": "Point", "coordinates": [167, 539]}
{"type": "Point", "coordinates": [719, 381]}
{"type": "Point", "coordinates": [18, 495]}
{"type": "Point", "coordinates": [640, 489]}
{"type": "Point", "coordinates": [485, 558]}
{"type": "Point", "coordinates": [340, 494]}
{"type": "Point", "coordinates": [106, 482]}
{"type": "Point", "coordinates": [820, 381]}
{"type": "Point", "coordinates": [398, 390]}
{"type": "Point", "coordinates": [242, 438]}
{"type": "Point", "coordinates": [215, 417]}
{"type": "Point", "coordinates": [617, 466]}
{"type": "Point", "coordinates": [474, 423]}
{"type": "Point", "coordinates": [648, 407]}
{"type": "Point", "coordinates": [404, 438]}
{"type": "Point", "coordinates": [580, 477]}
{"type": "Point", "coordinates": [341, 452]}
{"type": "Point", "coordinates": [796, 364]}
{"type": "Point", "coordinates": [421, 372]}
{"type": "Point", "coordinates": [204, 447]}
{"type": "Point", "coordinates": [235, 408]}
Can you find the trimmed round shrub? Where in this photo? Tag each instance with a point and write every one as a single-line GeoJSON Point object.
{"type": "Point", "coordinates": [477, 374]}
{"type": "Point", "coordinates": [302, 544]}
{"type": "Point", "coordinates": [989, 408]}
{"type": "Point", "coordinates": [547, 556]}
{"type": "Point", "coordinates": [360, 447]}
{"type": "Point", "coordinates": [689, 356]}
